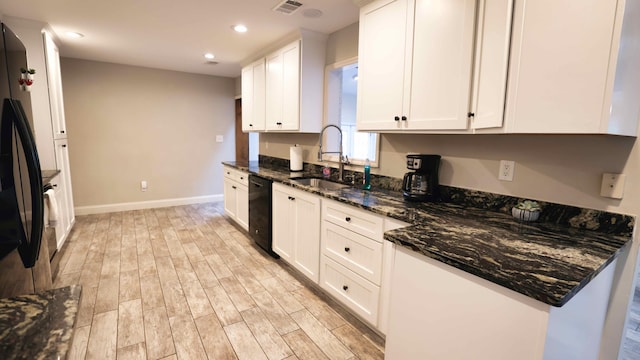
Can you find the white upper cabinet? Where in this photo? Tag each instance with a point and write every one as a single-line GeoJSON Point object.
{"type": "Point", "coordinates": [440, 74]}
{"type": "Point", "coordinates": [292, 90]}
{"type": "Point", "coordinates": [381, 63]}
{"type": "Point", "coordinates": [493, 38]}
{"type": "Point", "coordinates": [419, 74]}
{"type": "Point", "coordinates": [54, 80]}
{"type": "Point", "coordinates": [253, 96]}
{"type": "Point", "coordinates": [574, 67]}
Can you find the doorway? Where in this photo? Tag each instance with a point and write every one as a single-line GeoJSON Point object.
{"type": "Point", "coordinates": [242, 139]}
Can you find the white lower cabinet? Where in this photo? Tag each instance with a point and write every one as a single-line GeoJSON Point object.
{"type": "Point", "coordinates": [236, 196]}
{"type": "Point", "coordinates": [296, 229]}
{"type": "Point", "coordinates": [354, 267]}
{"type": "Point", "coordinates": [64, 192]}
{"type": "Point", "coordinates": [440, 312]}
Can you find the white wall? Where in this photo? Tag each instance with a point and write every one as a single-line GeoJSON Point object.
{"type": "Point", "coordinates": [126, 124]}
{"type": "Point", "coordinates": [564, 169]}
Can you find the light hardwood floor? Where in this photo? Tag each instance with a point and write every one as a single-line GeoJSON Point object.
{"type": "Point", "coordinates": [184, 283]}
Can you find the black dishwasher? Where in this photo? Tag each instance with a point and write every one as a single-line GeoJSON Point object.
{"type": "Point", "coordinates": [260, 212]}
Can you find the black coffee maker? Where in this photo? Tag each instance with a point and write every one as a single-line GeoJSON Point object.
{"type": "Point", "coordinates": [421, 184]}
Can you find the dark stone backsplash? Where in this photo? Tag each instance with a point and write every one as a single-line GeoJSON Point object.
{"type": "Point", "coordinates": [566, 215]}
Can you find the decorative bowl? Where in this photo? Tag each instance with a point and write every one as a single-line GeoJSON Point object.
{"type": "Point", "coordinates": [525, 215]}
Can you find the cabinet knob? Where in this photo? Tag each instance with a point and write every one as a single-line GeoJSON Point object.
{"type": "Point", "coordinates": [251, 125]}
{"type": "Point", "coordinates": [64, 145]}
{"type": "Point", "coordinates": [404, 118]}
{"type": "Point", "coordinates": [291, 198]}
{"type": "Point", "coordinates": [278, 123]}
{"type": "Point", "coordinates": [347, 219]}
{"type": "Point", "coordinates": [397, 118]}
{"type": "Point", "coordinates": [55, 185]}
{"type": "Point", "coordinates": [233, 187]}
{"type": "Point", "coordinates": [228, 173]}
{"type": "Point", "coordinates": [347, 249]}
{"type": "Point", "coordinates": [61, 131]}
{"type": "Point", "coordinates": [241, 177]}
{"type": "Point", "coordinates": [470, 114]}
{"type": "Point", "coordinates": [345, 287]}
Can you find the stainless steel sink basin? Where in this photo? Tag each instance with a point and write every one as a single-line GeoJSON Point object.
{"type": "Point", "coordinates": [319, 183]}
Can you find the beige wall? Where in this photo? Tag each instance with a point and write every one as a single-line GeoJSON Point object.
{"type": "Point", "coordinates": [128, 124]}
{"type": "Point", "coordinates": [559, 168]}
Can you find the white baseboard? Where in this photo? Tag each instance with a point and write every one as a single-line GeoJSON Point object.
{"type": "Point", "coordinates": [100, 209]}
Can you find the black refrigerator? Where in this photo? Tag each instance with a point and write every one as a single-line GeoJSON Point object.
{"type": "Point", "coordinates": [24, 264]}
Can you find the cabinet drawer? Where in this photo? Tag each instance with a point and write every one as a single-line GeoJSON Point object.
{"type": "Point", "coordinates": [236, 175]}
{"type": "Point", "coordinates": [358, 294]}
{"type": "Point", "coordinates": [354, 251]}
{"type": "Point", "coordinates": [351, 218]}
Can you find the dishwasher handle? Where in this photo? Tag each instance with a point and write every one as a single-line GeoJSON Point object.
{"type": "Point", "coordinates": [257, 184]}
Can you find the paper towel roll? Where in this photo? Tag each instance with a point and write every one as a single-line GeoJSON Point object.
{"type": "Point", "coordinates": [295, 158]}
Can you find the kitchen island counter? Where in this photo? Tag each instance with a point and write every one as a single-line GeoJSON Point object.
{"type": "Point", "coordinates": [39, 326]}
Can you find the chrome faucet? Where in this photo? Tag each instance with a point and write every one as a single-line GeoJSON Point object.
{"type": "Point", "coordinates": [341, 158]}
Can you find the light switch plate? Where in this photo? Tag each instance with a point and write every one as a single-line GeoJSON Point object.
{"type": "Point", "coordinates": [612, 185]}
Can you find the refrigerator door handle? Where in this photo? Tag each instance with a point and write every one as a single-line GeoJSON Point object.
{"type": "Point", "coordinates": [29, 250]}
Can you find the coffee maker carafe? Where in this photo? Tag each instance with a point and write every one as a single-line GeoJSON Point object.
{"type": "Point", "coordinates": [422, 183]}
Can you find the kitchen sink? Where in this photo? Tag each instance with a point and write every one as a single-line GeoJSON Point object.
{"type": "Point", "coordinates": [319, 183]}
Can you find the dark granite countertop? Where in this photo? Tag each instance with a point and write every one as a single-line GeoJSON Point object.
{"type": "Point", "coordinates": [544, 261]}
{"type": "Point", "coordinates": [38, 326]}
{"type": "Point", "coordinates": [48, 175]}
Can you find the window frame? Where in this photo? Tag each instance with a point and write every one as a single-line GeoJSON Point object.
{"type": "Point", "coordinates": [327, 84]}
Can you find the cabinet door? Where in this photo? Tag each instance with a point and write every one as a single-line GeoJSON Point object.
{"type": "Point", "coordinates": [62, 159]}
{"type": "Point", "coordinates": [54, 79]}
{"type": "Point", "coordinates": [242, 206]}
{"type": "Point", "coordinates": [230, 198]}
{"type": "Point", "coordinates": [559, 67]}
{"type": "Point", "coordinates": [291, 87]}
{"type": "Point", "coordinates": [306, 232]}
{"type": "Point", "coordinates": [382, 50]}
{"type": "Point", "coordinates": [247, 98]}
{"type": "Point", "coordinates": [493, 36]}
{"type": "Point", "coordinates": [61, 219]}
{"type": "Point", "coordinates": [282, 223]}
{"type": "Point", "coordinates": [253, 96]}
{"type": "Point", "coordinates": [275, 90]}
{"type": "Point", "coordinates": [441, 76]}
{"type": "Point", "coordinates": [259, 95]}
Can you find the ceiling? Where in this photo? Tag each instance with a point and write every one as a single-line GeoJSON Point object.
{"type": "Point", "coordinates": [174, 35]}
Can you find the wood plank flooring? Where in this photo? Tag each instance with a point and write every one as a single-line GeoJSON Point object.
{"type": "Point", "coordinates": [185, 283]}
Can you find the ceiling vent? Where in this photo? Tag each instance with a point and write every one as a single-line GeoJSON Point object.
{"type": "Point", "coordinates": [287, 7]}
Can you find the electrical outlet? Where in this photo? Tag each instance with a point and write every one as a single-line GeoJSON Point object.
{"type": "Point", "coordinates": [612, 185]}
{"type": "Point", "coordinates": [143, 185]}
{"type": "Point", "coordinates": [506, 170]}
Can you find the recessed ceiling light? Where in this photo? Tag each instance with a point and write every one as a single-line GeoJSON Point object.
{"type": "Point", "coordinates": [209, 56]}
{"type": "Point", "coordinates": [239, 28]}
{"type": "Point", "coordinates": [74, 35]}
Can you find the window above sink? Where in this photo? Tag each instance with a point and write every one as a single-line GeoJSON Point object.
{"type": "Point", "coordinates": [341, 89]}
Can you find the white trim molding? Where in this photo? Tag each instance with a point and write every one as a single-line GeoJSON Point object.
{"type": "Point", "coordinates": [100, 209]}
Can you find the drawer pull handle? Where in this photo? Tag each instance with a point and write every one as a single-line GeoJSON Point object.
{"type": "Point", "coordinates": [291, 198]}
{"type": "Point", "coordinates": [347, 249]}
{"type": "Point", "coordinates": [233, 187]}
{"type": "Point", "coordinates": [347, 219]}
{"type": "Point", "coordinates": [345, 287]}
